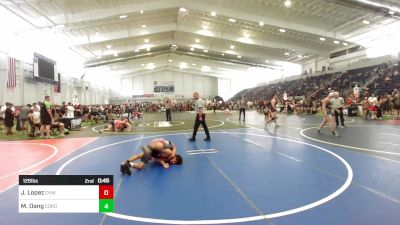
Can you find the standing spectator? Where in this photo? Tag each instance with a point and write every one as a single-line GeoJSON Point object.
{"type": "Point", "coordinates": [9, 119]}
{"type": "Point", "coordinates": [23, 116]}
{"type": "Point", "coordinates": [70, 110]}
{"type": "Point", "coordinates": [34, 120]}
{"type": "Point", "coordinates": [396, 103]}
{"type": "Point", "coordinates": [168, 107]}
{"type": "Point", "coordinates": [46, 118]}
{"type": "Point", "coordinates": [200, 118]}
{"type": "Point", "coordinates": [356, 92]}
{"type": "Point", "coordinates": [338, 103]}
{"type": "Point", "coordinates": [2, 112]}
{"type": "Point", "coordinates": [130, 109]}
{"type": "Point", "coordinates": [373, 106]}
{"type": "Point", "coordinates": [242, 108]}
{"type": "Point", "coordinates": [214, 104]}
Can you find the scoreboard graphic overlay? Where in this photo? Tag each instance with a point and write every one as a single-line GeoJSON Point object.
{"type": "Point", "coordinates": [66, 193]}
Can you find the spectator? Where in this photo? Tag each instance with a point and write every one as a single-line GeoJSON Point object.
{"type": "Point", "coordinates": [396, 103]}
{"type": "Point", "coordinates": [23, 116]}
{"type": "Point", "coordinates": [2, 112]}
{"type": "Point", "coordinates": [70, 110]}
{"type": "Point", "coordinates": [9, 118]}
{"type": "Point", "coordinates": [46, 118]}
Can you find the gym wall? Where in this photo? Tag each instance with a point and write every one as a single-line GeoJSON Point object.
{"type": "Point", "coordinates": [184, 83]}
{"type": "Point", "coordinates": [29, 91]}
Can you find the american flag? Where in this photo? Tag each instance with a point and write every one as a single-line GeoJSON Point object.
{"type": "Point", "coordinates": [12, 74]}
{"type": "Point", "coordinates": [57, 87]}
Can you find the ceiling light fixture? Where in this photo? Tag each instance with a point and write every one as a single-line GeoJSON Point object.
{"type": "Point", "coordinates": [391, 12]}
{"type": "Point", "coordinates": [108, 46]}
{"type": "Point", "coordinates": [205, 68]}
{"type": "Point", "coordinates": [142, 64]}
{"type": "Point", "coordinates": [169, 60]}
{"type": "Point", "coordinates": [205, 50]}
{"type": "Point", "coordinates": [322, 39]}
{"type": "Point", "coordinates": [146, 40]}
{"type": "Point", "coordinates": [197, 40]}
{"type": "Point", "coordinates": [97, 33]}
{"type": "Point", "coordinates": [137, 50]}
{"type": "Point", "coordinates": [222, 54]}
{"type": "Point", "coordinates": [192, 49]}
{"type": "Point", "coordinates": [213, 13]}
{"type": "Point", "coordinates": [282, 30]}
{"type": "Point", "coordinates": [336, 42]}
{"type": "Point", "coordinates": [116, 54]}
{"type": "Point", "coordinates": [345, 44]}
{"type": "Point", "coordinates": [143, 26]}
{"type": "Point", "coordinates": [267, 61]}
{"type": "Point", "coordinates": [148, 49]}
{"type": "Point", "coordinates": [232, 47]}
{"type": "Point", "coordinates": [365, 22]}
{"type": "Point", "coordinates": [182, 9]}
{"type": "Point", "coordinates": [123, 16]}
{"type": "Point", "coordinates": [288, 3]}
{"type": "Point", "coordinates": [261, 23]}
{"type": "Point", "coordinates": [183, 65]}
{"type": "Point", "coordinates": [150, 66]}
{"type": "Point", "coordinates": [232, 20]}
{"type": "Point", "coordinates": [193, 64]}
{"type": "Point", "coordinates": [239, 56]}
{"type": "Point", "coordinates": [287, 53]}
{"type": "Point", "coordinates": [141, 11]}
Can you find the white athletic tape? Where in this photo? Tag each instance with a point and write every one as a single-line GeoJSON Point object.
{"type": "Point", "coordinates": [221, 123]}
{"type": "Point", "coordinates": [345, 146]}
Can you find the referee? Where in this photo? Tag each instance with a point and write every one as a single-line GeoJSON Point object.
{"type": "Point", "coordinates": [168, 106]}
{"type": "Point", "coordinates": [200, 118]}
{"type": "Point", "coordinates": [242, 108]}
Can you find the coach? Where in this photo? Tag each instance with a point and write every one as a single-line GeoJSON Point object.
{"type": "Point", "coordinates": [200, 118]}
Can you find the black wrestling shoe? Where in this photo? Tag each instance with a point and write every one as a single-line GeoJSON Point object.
{"type": "Point", "coordinates": [125, 168]}
{"type": "Point", "coordinates": [207, 139]}
{"type": "Point", "coordinates": [192, 139]}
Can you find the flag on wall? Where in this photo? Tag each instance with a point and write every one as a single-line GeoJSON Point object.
{"type": "Point", "coordinates": [12, 74]}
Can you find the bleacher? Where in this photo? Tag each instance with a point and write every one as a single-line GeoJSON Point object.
{"type": "Point", "coordinates": [383, 79]}
{"type": "Point", "coordinates": [386, 82]}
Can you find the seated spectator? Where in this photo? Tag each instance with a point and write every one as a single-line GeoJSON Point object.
{"type": "Point", "coordinates": [56, 124]}
{"type": "Point", "coordinates": [34, 121]}
{"type": "Point", "coordinates": [94, 115]}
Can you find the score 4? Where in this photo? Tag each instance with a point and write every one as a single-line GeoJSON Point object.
{"type": "Point", "coordinates": [106, 198]}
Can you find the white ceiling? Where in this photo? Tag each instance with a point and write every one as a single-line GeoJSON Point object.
{"type": "Point", "coordinates": [95, 24]}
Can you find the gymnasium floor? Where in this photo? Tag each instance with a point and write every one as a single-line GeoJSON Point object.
{"type": "Point", "coordinates": [249, 175]}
